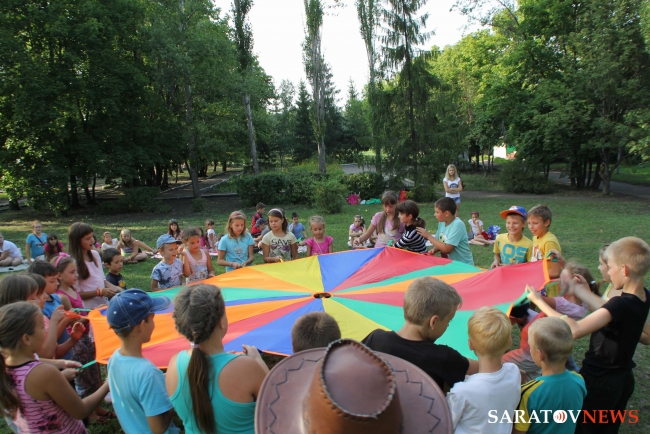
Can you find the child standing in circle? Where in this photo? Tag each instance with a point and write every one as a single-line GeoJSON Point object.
{"type": "Point", "coordinates": [130, 248]}
{"type": "Point", "coordinates": [453, 185]}
{"type": "Point", "coordinates": [53, 248]}
{"type": "Point", "coordinates": [319, 244]}
{"type": "Point", "coordinates": [236, 247]}
{"type": "Point", "coordinates": [409, 215]}
{"type": "Point", "coordinates": [386, 223]}
{"type": "Point", "coordinates": [36, 394]}
{"type": "Point", "coordinates": [174, 230]}
{"type": "Point", "coordinates": [197, 264]}
{"type": "Point", "coordinates": [279, 244]}
{"type": "Point", "coordinates": [35, 243]}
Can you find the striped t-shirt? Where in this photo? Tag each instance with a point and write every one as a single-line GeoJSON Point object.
{"type": "Point", "coordinates": [40, 416]}
{"type": "Point", "coordinates": [412, 241]}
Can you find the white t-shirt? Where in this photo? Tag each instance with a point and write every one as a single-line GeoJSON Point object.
{"type": "Point", "coordinates": [106, 246]}
{"type": "Point", "coordinates": [475, 228]}
{"type": "Point", "coordinates": [452, 183]}
{"type": "Point", "coordinates": [14, 251]}
{"type": "Point", "coordinates": [471, 400]}
{"type": "Point", "coordinates": [94, 281]}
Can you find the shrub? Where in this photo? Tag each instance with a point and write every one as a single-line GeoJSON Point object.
{"type": "Point", "coordinates": [107, 207]}
{"type": "Point", "coordinates": [198, 205]}
{"type": "Point", "coordinates": [424, 193]}
{"type": "Point", "coordinates": [367, 184]}
{"type": "Point", "coordinates": [329, 196]}
{"type": "Point", "coordinates": [521, 176]}
{"type": "Point", "coordinates": [267, 188]}
{"type": "Point", "coordinates": [139, 200]}
{"type": "Point", "coordinates": [300, 186]}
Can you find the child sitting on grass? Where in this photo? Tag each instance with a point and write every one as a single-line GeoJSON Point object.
{"type": "Point", "coordinates": [314, 330]}
{"type": "Point", "coordinates": [551, 344]}
{"type": "Point", "coordinates": [429, 306]}
{"type": "Point", "coordinates": [451, 238]}
{"type": "Point", "coordinates": [167, 273]}
{"type": "Point", "coordinates": [513, 247]}
{"type": "Point", "coordinates": [616, 328]}
{"type": "Point", "coordinates": [113, 260]}
{"type": "Point", "coordinates": [496, 386]}
{"type": "Point", "coordinates": [139, 393]}
{"type": "Point", "coordinates": [478, 236]}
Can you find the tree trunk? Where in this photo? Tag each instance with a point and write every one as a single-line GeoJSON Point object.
{"type": "Point", "coordinates": [159, 175]}
{"type": "Point", "coordinates": [588, 183]}
{"type": "Point", "coordinates": [595, 183]}
{"type": "Point", "coordinates": [164, 185]}
{"type": "Point", "coordinates": [94, 187]}
{"type": "Point", "coordinates": [14, 205]}
{"type": "Point", "coordinates": [251, 132]}
{"type": "Point", "coordinates": [89, 199]}
{"type": "Point", "coordinates": [74, 195]}
{"type": "Point", "coordinates": [605, 176]}
{"type": "Point", "coordinates": [224, 165]}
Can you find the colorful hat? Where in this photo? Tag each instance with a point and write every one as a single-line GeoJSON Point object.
{"type": "Point", "coordinates": [166, 239]}
{"type": "Point", "coordinates": [515, 210]}
{"type": "Point", "coordinates": [128, 308]}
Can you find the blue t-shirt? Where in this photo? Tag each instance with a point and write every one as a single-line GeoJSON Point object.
{"type": "Point", "coordinates": [456, 235]}
{"type": "Point", "coordinates": [297, 229]}
{"type": "Point", "coordinates": [236, 248]}
{"type": "Point", "coordinates": [36, 244]}
{"type": "Point", "coordinates": [50, 305]}
{"type": "Point", "coordinates": [138, 391]}
{"type": "Point", "coordinates": [564, 391]}
{"type": "Point", "coordinates": [168, 275]}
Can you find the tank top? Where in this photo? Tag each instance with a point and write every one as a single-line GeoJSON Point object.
{"type": "Point", "coordinates": [198, 269]}
{"type": "Point", "coordinates": [40, 416]}
{"type": "Point", "coordinates": [232, 417]}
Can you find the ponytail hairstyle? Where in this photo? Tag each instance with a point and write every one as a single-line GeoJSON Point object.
{"type": "Point", "coordinates": [189, 233]}
{"type": "Point", "coordinates": [363, 222]}
{"type": "Point", "coordinates": [388, 198]}
{"type": "Point", "coordinates": [76, 233]}
{"type": "Point", "coordinates": [14, 324]}
{"type": "Point", "coordinates": [178, 231]}
{"type": "Point", "coordinates": [279, 213]}
{"type": "Point", "coordinates": [235, 215]}
{"type": "Point", "coordinates": [412, 208]}
{"type": "Point", "coordinates": [575, 268]}
{"type": "Point", "coordinates": [17, 287]}
{"type": "Point", "coordinates": [198, 309]}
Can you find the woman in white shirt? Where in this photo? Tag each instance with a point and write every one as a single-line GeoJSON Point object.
{"type": "Point", "coordinates": [453, 185]}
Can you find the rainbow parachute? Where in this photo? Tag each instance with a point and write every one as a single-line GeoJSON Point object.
{"type": "Point", "coordinates": [362, 289]}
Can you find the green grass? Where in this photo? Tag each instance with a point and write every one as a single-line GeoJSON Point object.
{"type": "Point", "coordinates": [581, 224]}
{"type": "Point", "coordinates": [480, 182]}
{"type": "Point", "coordinates": [637, 175]}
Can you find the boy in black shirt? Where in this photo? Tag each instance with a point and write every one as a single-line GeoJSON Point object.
{"type": "Point", "coordinates": [616, 326]}
{"type": "Point", "coordinates": [114, 261]}
{"type": "Point", "coordinates": [429, 306]}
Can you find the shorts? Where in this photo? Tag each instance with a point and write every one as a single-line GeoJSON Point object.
{"type": "Point", "coordinates": [455, 199]}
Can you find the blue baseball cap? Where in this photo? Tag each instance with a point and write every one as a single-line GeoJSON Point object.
{"type": "Point", "coordinates": [128, 308]}
{"type": "Point", "coordinates": [166, 239]}
{"type": "Point", "coordinates": [515, 210]}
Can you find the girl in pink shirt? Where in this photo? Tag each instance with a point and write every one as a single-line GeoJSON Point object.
{"type": "Point", "coordinates": [319, 244]}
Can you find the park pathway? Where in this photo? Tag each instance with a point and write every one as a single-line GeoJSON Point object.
{"type": "Point", "coordinates": [640, 191]}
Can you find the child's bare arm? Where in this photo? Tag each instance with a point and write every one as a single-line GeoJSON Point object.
{"type": "Point", "coordinates": [497, 261]}
{"type": "Point", "coordinates": [473, 367]}
{"type": "Point", "coordinates": [154, 285]}
{"type": "Point", "coordinates": [158, 424]}
{"type": "Point", "coordinates": [186, 264]}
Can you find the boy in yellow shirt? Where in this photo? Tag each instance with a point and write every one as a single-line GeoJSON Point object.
{"type": "Point", "coordinates": [539, 220]}
{"type": "Point", "coordinates": [513, 247]}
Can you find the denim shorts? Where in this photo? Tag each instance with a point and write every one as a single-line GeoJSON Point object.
{"type": "Point", "coordinates": [456, 199]}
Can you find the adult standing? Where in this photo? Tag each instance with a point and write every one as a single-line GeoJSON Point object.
{"type": "Point", "coordinates": [35, 243]}
{"type": "Point", "coordinates": [453, 185]}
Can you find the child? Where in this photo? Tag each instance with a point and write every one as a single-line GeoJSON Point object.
{"type": "Point", "coordinates": [210, 236]}
{"type": "Point", "coordinates": [236, 248]}
{"type": "Point", "coordinates": [174, 230]}
{"type": "Point", "coordinates": [53, 248]}
{"type": "Point", "coordinates": [496, 386]}
{"type": "Point", "coordinates": [453, 186]}
{"type": "Point", "coordinates": [297, 228]}
{"type": "Point", "coordinates": [608, 291]}
{"type": "Point", "coordinates": [263, 226]}
{"type": "Point", "coordinates": [206, 401]}
{"type": "Point", "coordinates": [451, 238]}
{"type": "Point", "coordinates": [167, 273]}
{"type": "Point", "coordinates": [35, 394]}
{"type": "Point", "coordinates": [319, 244]}
{"type": "Point", "coordinates": [108, 242]}
{"type": "Point", "coordinates": [130, 248]}
{"type": "Point", "coordinates": [197, 265]}
{"type": "Point", "coordinates": [259, 212]}
{"type": "Point", "coordinates": [139, 394]}
{"type": "Point", "coordinates": [551, 344]}
{"type": "Point", "coordinates": [568, 305]}
{"type": "Point", "coordinates": [314, 330]}
{"type": "Point", "coordinates": [539, 220]}
{"type": "Point", "coordinates": [386, 223]}
{"type": "Point", "coordinates": [478, 237]}
{"type": "Point", "coordinates": [429, 306]}
{"type": "Point", "coordinates": [9, 253]}
{"type": "Point", "coordinates": [35, 243]}
{"type": "Point", "coordinates": [356, 229]}
{"type": "Point", "coordinates": [615, 328]}
{"type": "Point", "coordinates": [113, 260]}
{"type": "Point", "coordinates": [513, 247]}
{"type": "Point", "coordinates": [409, 215]}
{"type": "Point", "coordinates": [278, 245]}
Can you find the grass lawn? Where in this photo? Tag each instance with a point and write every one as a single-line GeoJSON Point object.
{"type": "Point", "coordinates": [633, 175]}
{"type": "Point", "coordinates": [582, 224]}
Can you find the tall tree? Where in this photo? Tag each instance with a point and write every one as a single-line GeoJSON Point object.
{"type": "Point", "coordinates": [244, 40]}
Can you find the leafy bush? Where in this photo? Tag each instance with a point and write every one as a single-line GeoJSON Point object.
{"type": "Point", "coordinates": [267, 188]}
{"type": "Point", "coordinates": [198, 205]}
{"type": "Point", "coordinates": [521, 176]}
{"type": "Point", "coordinates": [424, 193]}
{"type": "Point", "coordinates": [328, 196]}
{"type": "Point", "coordinates": [139, 200]}
{"type": "Point", "coordinates": [367, 184]}
{"type": "Point", "coordinates": [107, 207]}
{"type": "Point", "coordinates": [300, 187]}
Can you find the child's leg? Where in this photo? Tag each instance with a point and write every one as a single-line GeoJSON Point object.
{"type": "Point", "coordinates": [142, 256]}
{"type": "Point", "coordinates": [5, 262]}
{"type": "Point", "coordinates": [605, 392]}
{"type": "Point", "coordinates": [16, 261]}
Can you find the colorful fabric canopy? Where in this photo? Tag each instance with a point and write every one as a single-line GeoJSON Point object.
{"type": "Point", "coordinates": [362, 289]}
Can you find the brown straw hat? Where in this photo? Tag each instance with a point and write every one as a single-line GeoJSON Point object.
{"type": "Point", "coordinates": [347, 388]}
